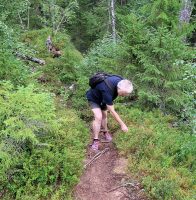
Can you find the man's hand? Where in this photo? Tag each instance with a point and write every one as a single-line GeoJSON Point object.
{"type": "Point", "coordinates": [124, 128]}
{"type": "Point", "coordinates": [117, 118]}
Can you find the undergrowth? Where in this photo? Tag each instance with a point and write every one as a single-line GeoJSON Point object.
{"type": "Point", "coordinates": [162, 156]}
{"type": "Point", "coordinates": [56, 71]}
{"type": "Point", "coordinates": [42, 145]}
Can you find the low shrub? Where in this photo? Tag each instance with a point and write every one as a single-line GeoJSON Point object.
{"type": "Point", "coordinates": [41, 150]}
{"type": "Point", "coordinates": [163, 156]}
{"type": "Point", "coordinates": [63, 68]}
{"type": "Point", "coordinates": [12, 69]}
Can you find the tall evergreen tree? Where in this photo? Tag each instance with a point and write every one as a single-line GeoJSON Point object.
{"type": "Point", "coordinates": [154, 52]}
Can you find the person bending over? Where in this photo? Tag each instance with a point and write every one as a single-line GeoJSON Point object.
{"type": "Point", "coordinates": [101, 99]}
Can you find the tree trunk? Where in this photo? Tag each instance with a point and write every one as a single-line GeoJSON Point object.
{"type": "Point", "coordinates": [53, 16]}
{"type": "Point", "coordinates": [186, 11]}
{"type": "Point", "coordinates": [21, 22]}
{"type": "Point", "coordinates": [58, 26]}
{"type": "Point", "coordinates": [113, 23]}
{"type": "Point", "coordinates": [123, 2]}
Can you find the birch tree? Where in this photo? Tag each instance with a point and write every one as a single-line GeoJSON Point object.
{"type": "Point", "coordinates": [113, 21]}
{"type": "Point", "coordinates": [186, 11]}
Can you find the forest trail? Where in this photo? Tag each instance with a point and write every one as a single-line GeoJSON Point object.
{"type": "Point", "coordinates": [105, 178]}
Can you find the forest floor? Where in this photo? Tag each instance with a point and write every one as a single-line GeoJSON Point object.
{"type": "Point", "coordinates": [105, 178]}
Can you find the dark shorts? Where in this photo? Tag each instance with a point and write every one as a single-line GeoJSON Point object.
{"type": "Point", "coordinates": [95, 105]}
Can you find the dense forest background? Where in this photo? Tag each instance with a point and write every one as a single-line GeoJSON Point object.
{"type": "Point", "coordinates": [44, 116]}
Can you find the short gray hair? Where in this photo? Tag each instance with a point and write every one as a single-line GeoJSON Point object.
{"type": "Point", "coordinates": [125, 86]}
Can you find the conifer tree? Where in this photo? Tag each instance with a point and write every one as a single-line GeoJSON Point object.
{"type": "Point", "coordinates": [156, 52]}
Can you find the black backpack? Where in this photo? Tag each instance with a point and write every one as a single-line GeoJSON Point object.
{"type": "Point", "coordinates": [99, 77]}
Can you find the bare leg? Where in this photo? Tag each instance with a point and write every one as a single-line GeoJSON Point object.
{"type": "Point", "coordinates": [104, 121]}
{"type": "Point", "coordinates": [97, 122]}
{"type": "Point", "coordinates": [104, 124]}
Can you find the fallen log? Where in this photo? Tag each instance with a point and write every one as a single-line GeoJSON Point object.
{"type": "Point", "coordinates": [25, 57]}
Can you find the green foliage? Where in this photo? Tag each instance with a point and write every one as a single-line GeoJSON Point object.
{"type": "Point", "coordinates": [163, 156]}
{"type": "Point", "coordinates": [11, 10]}
{"type": "Point", "coordinates": [40, 149]}
{"type": "Point", "coordinates": [162, 12]}
{"type": "Point", "coordinates": [38, 14]}
{"type": "Point", "coordinates": [92, 18]}
{"type": "Point", "coordinates": [57, 14]}
{"type": "Point", "coordinates": [78, 98]}
{"type": "Point", "coordinates": [6, 36]}
{"type": "Point", "coordinates": [154, 60]}
{"type": "Point", "coordinates": [103, 56]}
{"type": "Point", "coordinates": [42, 143]}
{"type": "Point", "coordinates": [12, 69]}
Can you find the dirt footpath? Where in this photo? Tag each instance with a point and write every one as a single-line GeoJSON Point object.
{"type": "Point", "coordinates": [105, 178]}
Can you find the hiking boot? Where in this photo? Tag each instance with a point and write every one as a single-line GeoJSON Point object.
{"type": "Point", "coordinates": [108, 136]}
{"type": "Point", "coordinates": [95, 145]}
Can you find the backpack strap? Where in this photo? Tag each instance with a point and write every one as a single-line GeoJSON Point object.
{"type": "Point", "coordinates": [108, 83]}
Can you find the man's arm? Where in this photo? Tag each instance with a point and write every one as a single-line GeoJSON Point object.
{"type": "Point", "coordinates": [117, 117]}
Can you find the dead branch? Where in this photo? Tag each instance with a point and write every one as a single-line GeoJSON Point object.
{"type": "Point", "coordinates": [123, 185]}
{"type": "Point", "coordinates": [99, 154]}
{"type": "Point", "coordinates": [104, 141]}
{"type": "Point", "coordinates": [25, 57]}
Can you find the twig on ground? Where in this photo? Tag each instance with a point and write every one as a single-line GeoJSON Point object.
{"type": "Point", "coordinates": [123, 185]}
{"type": "Point", "coordinates": [104, 141]}
{"type": "Point", "coordinates": [96, 157]}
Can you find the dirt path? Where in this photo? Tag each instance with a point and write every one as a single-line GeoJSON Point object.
{"type": "Point", "coordinates": [106, 179]}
